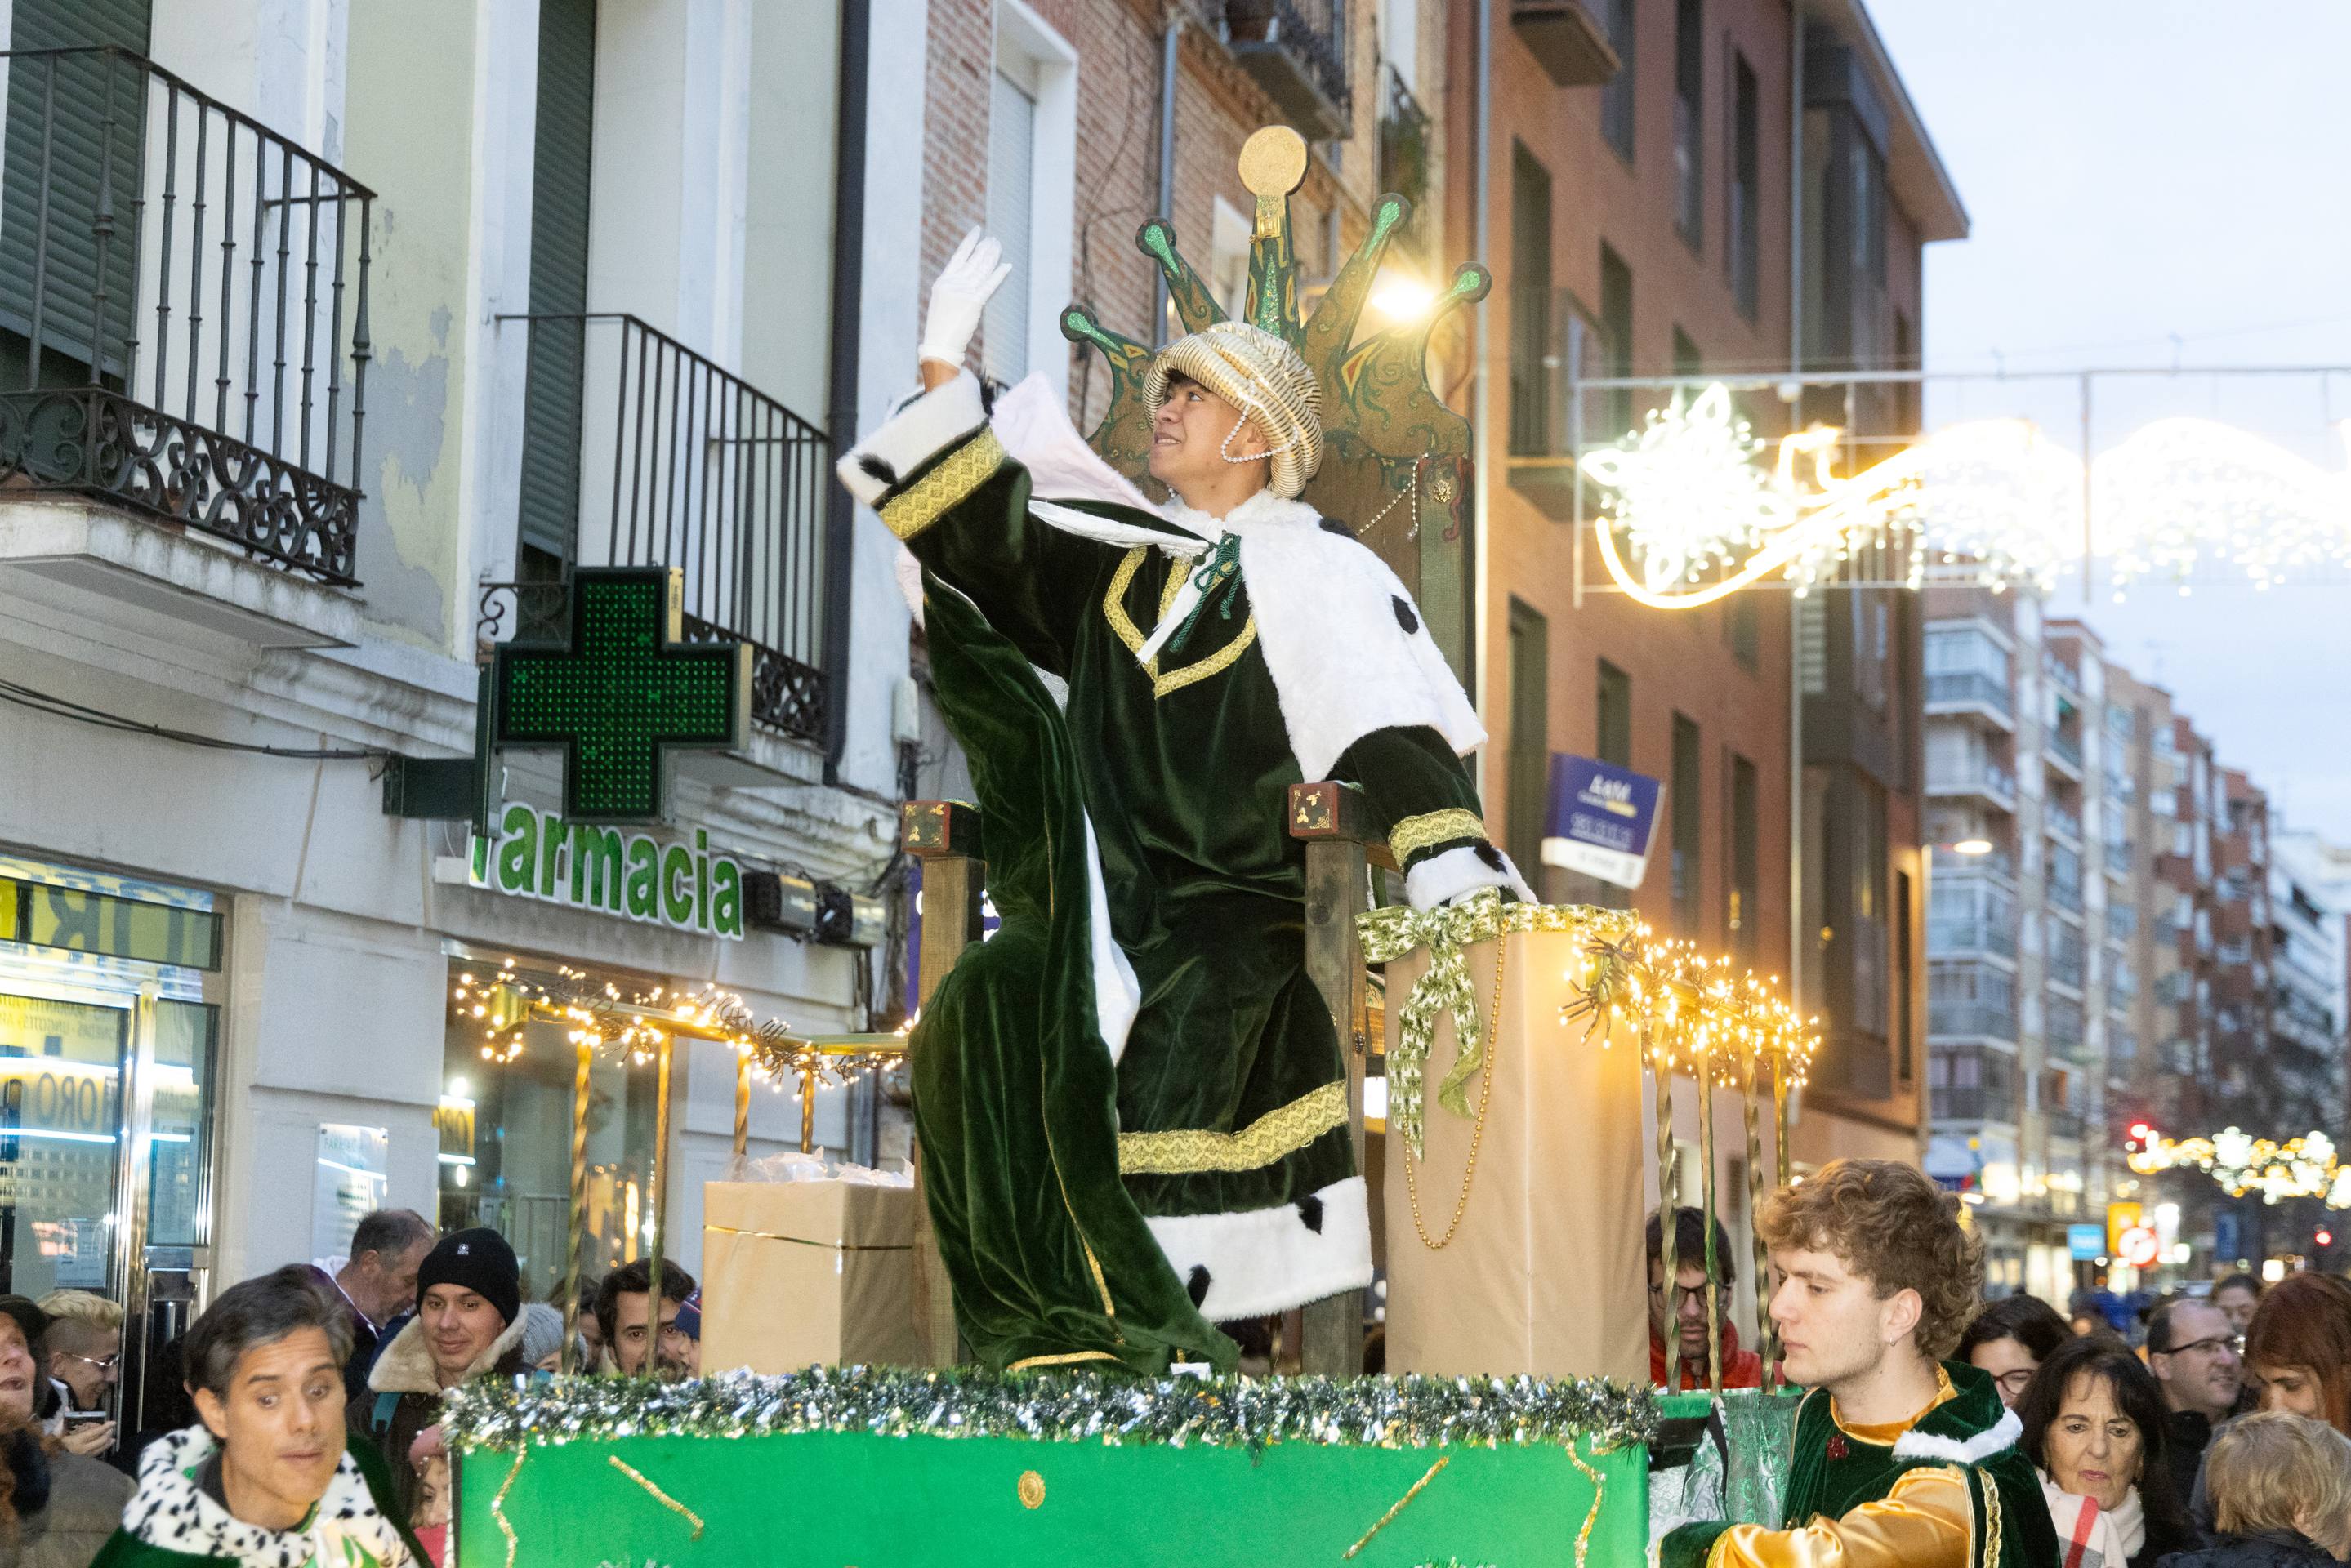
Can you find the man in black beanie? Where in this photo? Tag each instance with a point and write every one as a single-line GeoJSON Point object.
{"type": "Point", "coordinates": [468, 1324]}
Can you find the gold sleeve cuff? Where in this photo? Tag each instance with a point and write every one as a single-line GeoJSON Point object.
{"type": "Point", "coordinates": [947, 486]}
{"type": "Point", "coordinates": [1281, 1131]}
{"type": "Point", "coordinates": [1415, 834]}
{"type": "Point", "coordinates": [1926, 1522]}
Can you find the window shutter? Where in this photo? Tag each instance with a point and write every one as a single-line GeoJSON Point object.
{"type": "Point", "coordinates": [79, 154]}
{"type": "Point", "coordinates": [553, 394]}
{"type": "Point", "coordinates": [1011, 156]}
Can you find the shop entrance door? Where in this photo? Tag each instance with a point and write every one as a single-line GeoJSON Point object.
{"type": "Point", "coordinates": [108, 1032]}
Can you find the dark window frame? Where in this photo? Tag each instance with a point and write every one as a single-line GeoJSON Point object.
{"type": "Point", "coordinates": [1528, 780]}
{"type": "Point", "coordinates": [1690, 122]}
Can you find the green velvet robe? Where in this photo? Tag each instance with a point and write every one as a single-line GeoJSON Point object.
{"type": "Point", "coordinates": [1222, 1132]}
{"type": "Point", "coordinates": [1832, 1475]}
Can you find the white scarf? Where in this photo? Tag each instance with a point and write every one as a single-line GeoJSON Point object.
{"type": "Point", "coordinates": [1313, 592]}
{"type": "Point", "coordinates": [2089, 1536]}
{"type": "Point", "coordinates": [172, 1511]}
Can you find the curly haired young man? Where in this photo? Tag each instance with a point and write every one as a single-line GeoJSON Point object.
{"type": "Point", "coordinates": [1900, 1457]}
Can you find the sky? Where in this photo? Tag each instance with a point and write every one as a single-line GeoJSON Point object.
{"type": "Point", "coordinates": [2158, 184]}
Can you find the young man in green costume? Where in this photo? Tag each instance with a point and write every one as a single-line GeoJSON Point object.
{"type": "Point", "coordinates": [1901, 1460]}
{"type": "Point", "coordinates": [1131, 1102]}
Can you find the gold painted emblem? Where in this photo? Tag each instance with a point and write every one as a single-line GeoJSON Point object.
{"type": "Point", "coordinates": [1032, 1489]}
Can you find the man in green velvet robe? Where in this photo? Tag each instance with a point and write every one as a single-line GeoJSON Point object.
{"type": "Point", "coordinates": [1131, 1103]}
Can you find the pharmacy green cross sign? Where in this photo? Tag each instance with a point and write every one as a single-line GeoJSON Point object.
{"type": "Point", "coordinates": [622, 692]}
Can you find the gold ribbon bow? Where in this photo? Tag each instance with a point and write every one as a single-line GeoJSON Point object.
{"type": "Point", "coordinates": [1448, 932]}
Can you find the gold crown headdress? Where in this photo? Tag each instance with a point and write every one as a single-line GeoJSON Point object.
{"type": "Point", "coordinates": [1397, 463]}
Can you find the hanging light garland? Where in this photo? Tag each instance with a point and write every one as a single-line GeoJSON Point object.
{"type": "Point", "coordinates": [2304, 1167]}
{"type": "Point", "coordinates": [1691, 516]}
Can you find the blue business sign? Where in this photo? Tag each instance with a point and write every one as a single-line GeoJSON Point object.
{"type": "Point", "coordinates": [1601, 819]}
{"type": "Point", "coordinates": [2086, 1242]}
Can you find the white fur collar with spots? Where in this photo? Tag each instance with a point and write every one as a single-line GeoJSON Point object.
{"type": "Point", "coordinates": [172, 1511]}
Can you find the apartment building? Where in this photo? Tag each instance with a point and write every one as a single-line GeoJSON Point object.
{"type": "Point", "coordinates": [1642, 205]}
{"type": "Point", "coordinates": [2028, 786]}
{"type": "Point", "coordinates": [330, 337]}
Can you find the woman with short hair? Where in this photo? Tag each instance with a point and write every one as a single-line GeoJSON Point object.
{"type": "Point", "coordinates": [268, 1479]}
{"type": "Point", "coordinates": [2093, 1425]}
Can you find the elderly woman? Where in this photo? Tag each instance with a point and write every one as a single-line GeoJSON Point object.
{"type": "Point", "coordinates": [268, 1479]}
{"type": "Point", "coordinates": [2010, 1339]}
{"type": "Point", "coordinates": [2281, 1487]}
{"type": "Point", "coordinates": [2093, 1425]}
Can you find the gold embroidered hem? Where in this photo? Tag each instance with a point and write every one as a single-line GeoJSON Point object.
{"type": "Point", "coordinates": [1415, 834]}
{"type": "Point", "coordinates": [1114, 611]}
{"type": "Point", "coordinates": [945, 487]}
{"type": "Point", "coordinates": [1278, 1133]}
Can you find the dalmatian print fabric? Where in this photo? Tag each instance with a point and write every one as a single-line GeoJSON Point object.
{"type": "Point", "coordinates": [172, 1511]}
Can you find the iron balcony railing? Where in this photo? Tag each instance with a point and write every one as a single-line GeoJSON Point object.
{"type": "Point", "coordinates": [1403, 143]}
{"type": "Point", "coordinates": [1964, 937]}
{"type": "Point", "coordinates": [675, 462]}
{"type": "Point", "coordinates": [1310, 33]}
{"type": "Point", "coordinates": [183, 310]}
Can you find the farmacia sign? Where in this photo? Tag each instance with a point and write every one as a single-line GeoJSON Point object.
{"type": "Point", "coordinates": [633, 876]}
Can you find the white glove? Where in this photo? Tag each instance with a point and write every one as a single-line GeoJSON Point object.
{"type": "Point", "coordinates": [958, 295]}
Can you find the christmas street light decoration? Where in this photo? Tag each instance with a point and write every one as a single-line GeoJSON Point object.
{"type": "Point", "coordinates": [2304, 1167]}
{"type": "Point", "coordinates": [1692, 515]}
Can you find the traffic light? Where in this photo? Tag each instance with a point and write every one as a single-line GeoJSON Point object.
{"type": "Point", "coordinates": [2325, 1237]}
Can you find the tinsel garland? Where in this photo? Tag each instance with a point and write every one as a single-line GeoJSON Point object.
{"type": "Point", "coordinates": [1063, 1408]}
{"type": "Point", "coordinates": [1448, 933]}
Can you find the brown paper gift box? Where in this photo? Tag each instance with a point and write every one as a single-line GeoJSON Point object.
{"type": "Point", "coordinates": [1548, 1273]}
{"type": "Point", "coordinates": [801, 1271]}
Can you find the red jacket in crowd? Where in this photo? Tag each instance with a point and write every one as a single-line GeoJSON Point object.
{"type": "Point", "coordinates": [1740, 1368]}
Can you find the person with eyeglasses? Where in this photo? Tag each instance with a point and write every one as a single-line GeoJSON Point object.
{"type": "Point", "coordinates": [83, 1351]}
{"type": "Point", "coordinates": [2008, 1339]}
{"type": "Point", "coordinates": [2194, 1352]}
{"type": "Point", "coordinates": [1742, 1368]}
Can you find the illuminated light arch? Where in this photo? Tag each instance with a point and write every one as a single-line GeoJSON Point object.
{"type": "Point", "coordinates": [1693, 517]}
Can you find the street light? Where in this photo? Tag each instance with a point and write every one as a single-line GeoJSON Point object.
{"type": "Point", "coordinates": [1972, 847]}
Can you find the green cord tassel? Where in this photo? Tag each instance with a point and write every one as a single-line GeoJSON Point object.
{"type": "Point", "coordinates": [1222, 568]}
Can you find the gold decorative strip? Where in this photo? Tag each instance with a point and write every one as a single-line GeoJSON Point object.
{"type": "Point", "coordinates": [945, 487]}
{"type": "Point", "coordinates": [1114, 611]}
{"type": "Point", "coordinates": [1410, 1492]}
{"type": "Point", "coordinates": [1277, 1133]}
{"type": "Point", "coordinates": [1066, 1359]}
{"type": "Point", "coordinates": [1415, 834]}
{"type": "Point", "coordinates": [804, 1242]}
{"type": "Point", "coordinates": [498, 1506]}
{"type": "Point", "coordinates": [660, 1496]}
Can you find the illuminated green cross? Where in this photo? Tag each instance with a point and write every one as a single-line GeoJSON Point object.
{"type": "Point", "coordinates": [622, 694]}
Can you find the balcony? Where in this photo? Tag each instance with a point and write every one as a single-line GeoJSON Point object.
{"type": "Point", "coordinates": [2065, 893]}
{"type": "Point", "coordinates": [2061, 823]}
{"type": "Point", "coordinates": [1994, 786]}
{"type": "Point", "coordinates": [1297, 51]}
{"type": "Point", "coordinates": [2063, 753]}
{"type": "Point", "coordinates": [1970, 694]}
{"type": "Point", "coordinates": [1971, 1106]}
{"type": "Point", "coordinates": [692, 468]}
{"type": "Point", "coordinates": [183, 338]}
{"type": "Point", "coordinates": [1983, 1019]}
{"type": "Point", "coordinates": [1566, 39]}
{"type": "Point", "coordinates": [1971, 939]}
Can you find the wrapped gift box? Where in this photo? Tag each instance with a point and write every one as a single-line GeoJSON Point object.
{"type": "Point", "coordinates": [1548, 1273]}
{"type": "Point", "coordinates": [802, 1272]}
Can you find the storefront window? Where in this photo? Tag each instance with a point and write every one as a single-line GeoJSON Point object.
{"type": "Point", "coordinates": [505, 1141]}
{"type": "Point", "coordinates": [60, 1110]}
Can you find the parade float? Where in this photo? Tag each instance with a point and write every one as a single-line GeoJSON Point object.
{"type": "Point", "coordinates": [1540, 1066]}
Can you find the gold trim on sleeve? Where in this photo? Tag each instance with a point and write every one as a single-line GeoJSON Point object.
{"type": "Point", "coordinates": [1122, 623]}
{"type": "Point", "coordinates": [945, 487]}
{"type": "Point", "coordinates": [1415, 834]}
{"type": "Point", "coordinates": [1277, 1133]}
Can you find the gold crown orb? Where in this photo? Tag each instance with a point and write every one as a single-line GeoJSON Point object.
{"type": "Point", "coordinates": [1396, 465]}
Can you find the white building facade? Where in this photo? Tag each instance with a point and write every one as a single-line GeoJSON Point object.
{"type": "Point", "coordinates": [330, 336]}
